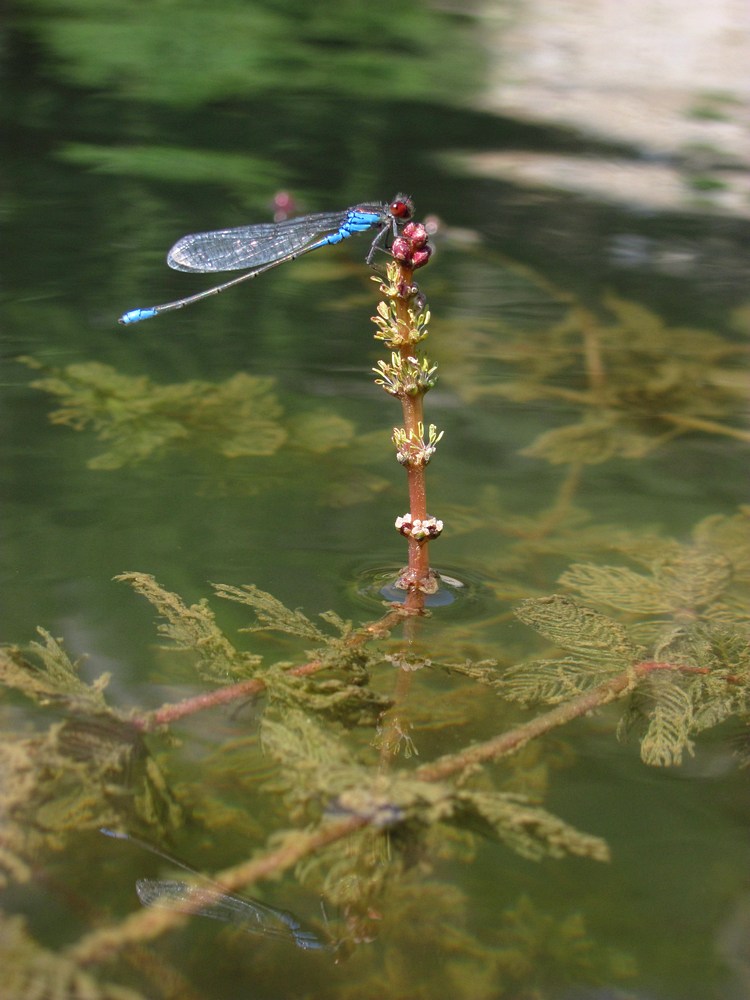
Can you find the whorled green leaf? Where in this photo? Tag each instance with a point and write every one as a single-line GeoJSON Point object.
{"type": "Point", "coordinates": [693, 579]}
{"type": "Point", "coordinates": [728, 535]}
{"type": "Point", "coordinates": [699, 678]}
{"type": "Point", "coordinates": [720, 686]}
{"type": "Point", "coordinates": [54, 677]}
{"type": "Point", "coordinates": [715, 647]}
{"type": "Point", "coordinates": [480, 671]}
{"type": "Point", "coordinates": [670, 722]}
{"type": "Point", "coordinates": [331, 698]}
{"type": "Point", "coordinates": [193, 628]}
{"type": "Point", "coordinates": [580, 629]}
{"type": "Point", "coordinates": [553, 681]}
{"type": "Point", "coordinates": [298, 740]}
{"type": "Point", "coordinates": [17, 788]}
{"type": "Point", "coordinates": [154, 803]}
{"type": "Point", "coordinates": [270, 612]}
{"type": "Point", "coordinates": [714, 701]}
{"type": "Point", "coordinates": [686, 580]}
{"type": "Point", "coordinates": [84, 772]}
{"type": "Point", "coordinates": [89, 769]}
{"type": "Point", "coordinates": [526, 827]}
{"type": "Point", "coordinates": [591, 442]}
{"type": "Point", "coordinates": [616, 586]}
{"type": "Point", "coordinates": [317, 768]}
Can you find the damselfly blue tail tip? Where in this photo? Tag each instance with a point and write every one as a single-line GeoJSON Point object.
{"type": "Point", "coordinates": [113, 833]}
{"type": "Point", "coordinates": [311, 942]}
{"type": "Point", "coordinates": [135, 316]}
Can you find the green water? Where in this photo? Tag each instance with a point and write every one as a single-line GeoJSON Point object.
{"type": "Point", "coordinates": [130, 127]}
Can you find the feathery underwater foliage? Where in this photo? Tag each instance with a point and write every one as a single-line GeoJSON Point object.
{"type": "Point", "coordinates": [687, 623]}
{"type": "Point", "coordinates": [663, 628]}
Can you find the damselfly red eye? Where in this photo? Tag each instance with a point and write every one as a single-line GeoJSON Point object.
{"type": "Point", "coordinates": [402, 207]}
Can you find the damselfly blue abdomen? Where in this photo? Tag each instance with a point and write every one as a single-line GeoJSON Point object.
{"type": "Point", "coordinates": [260, 247]}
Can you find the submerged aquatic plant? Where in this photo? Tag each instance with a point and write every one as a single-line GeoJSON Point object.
{"type": "Point", "coordinates": [341, 767]}
{"type": "Point", "coordinates": [635, 382]}
{"type": "Point", "coordinates": [29, 970]}
{"type": "Point", "coordinates": [89, 768]}
{"type": "Point", "coordinates": [139, 419]}
{"type": "Point", "coordinates": [352, 812]}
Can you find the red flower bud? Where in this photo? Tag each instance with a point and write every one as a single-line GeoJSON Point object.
{"type": "Point", "coordinates": [420, 257]}
{"type": "Point", "coordinates": [401, 249]}
{"type": "Point", "coordinates": [417, 233]}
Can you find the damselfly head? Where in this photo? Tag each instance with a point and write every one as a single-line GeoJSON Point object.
{"type": "Point", "coordinates": [402, 207]}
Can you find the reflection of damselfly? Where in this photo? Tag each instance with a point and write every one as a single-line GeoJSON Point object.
{"type": "Point", "coordinates": [211, 901]}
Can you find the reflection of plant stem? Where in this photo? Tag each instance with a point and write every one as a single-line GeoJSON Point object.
{"type": "Point", "coordinates": [597, 380]}
{"type": "Point", "coordinates": [561, 507]}
{"type": "Point", "coordinates": [592, 352]}
{"type": "Point", "coordinates": [391, 728]}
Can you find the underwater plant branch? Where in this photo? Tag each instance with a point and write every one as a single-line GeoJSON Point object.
{"type": "Point", "coordinates": [174, 711]}
{"type": "Point", "coordinates": [649, 666]}
{"type": "Point", "coordinates": [516, 738]}
{"type": "Point", "coordinates": [709, 426]}
{"type": "Point", "coordinates": [102, 944]}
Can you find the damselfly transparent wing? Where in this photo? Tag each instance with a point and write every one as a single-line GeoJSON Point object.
{"type": "Point", "coordinates": [251, 246]}
{"type": "Point", "coordinates": [250, 915]}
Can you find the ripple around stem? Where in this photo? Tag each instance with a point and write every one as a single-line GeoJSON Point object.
{"type": "Point", "coordinates": [375, 584]}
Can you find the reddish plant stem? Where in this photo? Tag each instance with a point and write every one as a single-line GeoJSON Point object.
{"type": "Point", "coordinates": [512, 740]}
{"type": "Point", "coordinates": [647, 666]}
{"type": "Point", "coordinates": [101, 944]}
{"type": "Point", "coordinates": [417, 575]}
{"type": "Point", "coordinates": [592, 352]}
{"type": "Point", "coordinates": [149, 721]}
{"type": "Point", "coordinates": [684, 668]}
